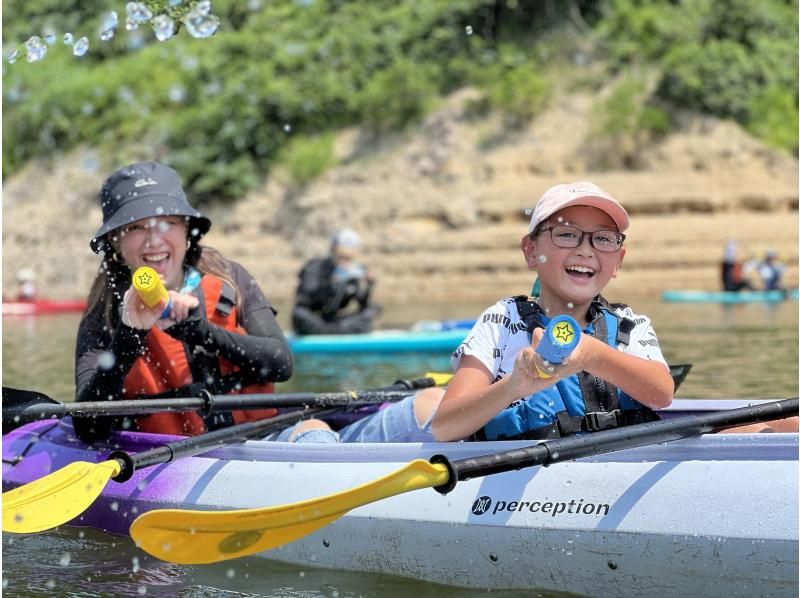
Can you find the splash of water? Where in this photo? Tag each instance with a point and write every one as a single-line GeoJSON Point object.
{"type": "Point", "coordinates": [196, 17]}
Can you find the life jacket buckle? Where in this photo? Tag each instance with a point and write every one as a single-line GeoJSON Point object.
{"type": "Point", "coordinates": [603, 420]}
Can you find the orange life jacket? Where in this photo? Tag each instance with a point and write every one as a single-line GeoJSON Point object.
{"type": "Point", "coordinates": [165, 367]}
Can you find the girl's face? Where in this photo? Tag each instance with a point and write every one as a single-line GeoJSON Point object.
{"type": "Point", "coordinates": [574, 275]}
{"type": "Point", "coordinates": [158, 242]}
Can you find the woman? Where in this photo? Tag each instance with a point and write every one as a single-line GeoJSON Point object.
{"type": "Point", "coordinates": [217, 332]}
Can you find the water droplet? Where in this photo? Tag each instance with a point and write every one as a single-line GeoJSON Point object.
{"type": "Point", "coordinates": [109, 26]}
{"type": "Point", "coordinates": [542, 259]}
{"type": "Point", "coordinates": [231, 573]}
{"type": "Point", "coordinates": [106, 360]}
{"type": "Point", "coordinates": [50, 584]}
{"type": "Point", "coordinates": [142, 590]}
{"type": "Point", "coordinates": [64, 560]}
{"type": "Point", "coordinates": [35, 49]}
{"type": "Point", "coordinates": [135, 562]}
{"type": "Point", "coordinates": [12, 58]}
{"type": "Point", "coordinates": [50, 39]}
{"type": "Point", "coordinates": [199, 23]}
{"type": "Point", "coordinates": [177, 94]}
{"type": "Point", "coordinates": [136, 13]}
{"type": "Point", "coordinates": [68, 39]}
{"type": "Point", "coordinates": [570, 305]}
{"type": "Point", "coordinates": [81, 46]}
{"type": "Point", "coordinates": [164, 27]}
{"type": "Point", "coordinates": [468, 29]}
{"type": "Point", "coordinates": [114, 506]}
{"type": "Point", "coordinates": [287, 128]}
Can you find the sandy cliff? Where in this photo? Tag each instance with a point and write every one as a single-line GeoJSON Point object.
{"type": "Point", "coordinates": [441, 208]}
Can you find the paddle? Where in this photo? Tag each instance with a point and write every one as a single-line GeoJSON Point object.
{"type": "Point", "coordinates": [194, 537]}
{"type": "Point", "coordinates": [64, 494]}
{"type": "Point", "coordinates": [21, 406]}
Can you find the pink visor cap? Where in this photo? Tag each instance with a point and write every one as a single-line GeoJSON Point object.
{"type": "Point", "coordinates": [581, 193]}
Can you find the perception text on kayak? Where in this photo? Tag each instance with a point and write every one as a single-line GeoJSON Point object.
{"type": "Point", "coordinates": [485, 504]}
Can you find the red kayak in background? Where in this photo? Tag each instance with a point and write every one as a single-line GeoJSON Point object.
{"type": "Point", "coordinates": [41, 307]}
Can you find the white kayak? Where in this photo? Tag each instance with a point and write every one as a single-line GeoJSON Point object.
{"type": "Point", "coordinates": [713, 515]}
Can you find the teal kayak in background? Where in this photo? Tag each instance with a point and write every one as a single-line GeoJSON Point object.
{"type": "Point", "coordinates": [691, 296]}
{"type": "Point", "coordinates": [384, 341]}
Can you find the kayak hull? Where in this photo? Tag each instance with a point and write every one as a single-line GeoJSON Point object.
{"type": "Point", "coordinates": [713, 516]}
{"type": "Point", "coordinates": [693, 296]}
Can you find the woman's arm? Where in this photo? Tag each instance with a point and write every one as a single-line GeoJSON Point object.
{"type": "Point", "coordinates": [262, 354]}
{"type": "Point", "coordinates": [101, 364]}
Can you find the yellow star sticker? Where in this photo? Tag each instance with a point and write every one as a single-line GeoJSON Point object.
{"type": "Point", "coordinates": [144, 279]}
{"type": "Point", "coordinates": [563, 333]}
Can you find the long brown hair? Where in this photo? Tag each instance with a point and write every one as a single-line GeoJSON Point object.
{"type": "Point", "coordinates": [114, 277]}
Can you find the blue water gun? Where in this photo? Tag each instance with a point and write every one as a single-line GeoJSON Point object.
{"type": "Point", "coordinates": [561, 336]}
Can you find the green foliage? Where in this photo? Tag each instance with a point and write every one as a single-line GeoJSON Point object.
{"type": "Point", "coordinates": [306, 158]}
{"type": "Point", "coordinates": [514, 84]}
{"type": "Point", "coordinates": [719, 77]}
{"type": "Point", "coordinates": [716, 56]}
{"type": "Point", "coordinates": [218, 109]}
{"type": "Point", "coordinates": [624, 122]}
{"type": "Point", "coordinates": [772, 115]}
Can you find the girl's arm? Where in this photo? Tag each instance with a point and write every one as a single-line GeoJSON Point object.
{"type": "Point", "coordinates": [646, 381]}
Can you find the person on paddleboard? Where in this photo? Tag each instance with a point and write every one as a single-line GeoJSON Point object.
{"type": "Point", "coordinates": [770, 270]}
{"type": "Point", "coordinates": [334, 292]}
{"type": "Point", "coordinates": [216, 331]}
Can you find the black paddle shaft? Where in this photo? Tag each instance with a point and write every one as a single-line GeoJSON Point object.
{"type": "Point", "coordinates": [203, 443]}
{"type": "Point", "coordinates": [20, 406]}
{"type": "Point", "coordinates": [607, 441]}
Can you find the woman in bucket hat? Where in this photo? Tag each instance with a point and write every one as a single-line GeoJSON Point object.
{"type": "Point", "coordinates": [217, 331]}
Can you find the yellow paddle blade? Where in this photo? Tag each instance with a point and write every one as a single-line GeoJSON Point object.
{"type": "Point", "coordinates": [441, 378]}
{"type": "Point", "coordinates": [196, 537]}
{"type": "Point", "coordinates": [56, 498]}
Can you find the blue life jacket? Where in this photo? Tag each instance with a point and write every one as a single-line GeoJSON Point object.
{"type": "Point", "coordinates": [579, 403]}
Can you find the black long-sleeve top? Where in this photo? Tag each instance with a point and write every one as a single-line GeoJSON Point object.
{"type": "Point", "coordinates": [103, 358]}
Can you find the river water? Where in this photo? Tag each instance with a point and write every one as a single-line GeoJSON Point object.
{"type": "Point", "coordinates": [745, 351]}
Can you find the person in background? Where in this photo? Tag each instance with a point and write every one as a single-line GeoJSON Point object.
{"type": "Point", "coordinates": [733, 270]}
{"type": "Point", "coordinates": [26, 285]}
{"type": "Point", "coordinates": [770, 270]}
{"type": "Point", "coordinates": [216, 333]}
{"type": "Point", "coordinates": [333, 296]}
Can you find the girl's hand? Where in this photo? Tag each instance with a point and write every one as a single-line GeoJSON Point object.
{"type": "Point", "coordinates": [136, 314]}
{"type": "Point", "coordinates": [179, 308]}
{"type": "Point", "coordinates": [532, 373]}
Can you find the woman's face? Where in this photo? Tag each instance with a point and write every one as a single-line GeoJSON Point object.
{"type": "Point", "coordinates": [158, 242]}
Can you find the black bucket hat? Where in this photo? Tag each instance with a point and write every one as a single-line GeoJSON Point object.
{"type": "Point", "coordinates": [144, 190]}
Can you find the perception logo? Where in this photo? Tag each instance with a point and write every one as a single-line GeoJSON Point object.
{"type": "Point", "coordinates": [481, 505]}
{"type": "Point", "coordinates": [485, 504]}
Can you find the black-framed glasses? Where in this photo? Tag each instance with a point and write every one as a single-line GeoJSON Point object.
{"type": "Point", "coordinates": [569, 237]}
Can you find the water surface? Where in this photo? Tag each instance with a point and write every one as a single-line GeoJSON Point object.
{"type": "Point", "coordinates": [747, 351]}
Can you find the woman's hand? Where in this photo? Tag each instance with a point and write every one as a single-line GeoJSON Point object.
{"type": "Point", "coordinates": [179, 308]}
{"type": "Point", "coordinates": [136, 314]}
